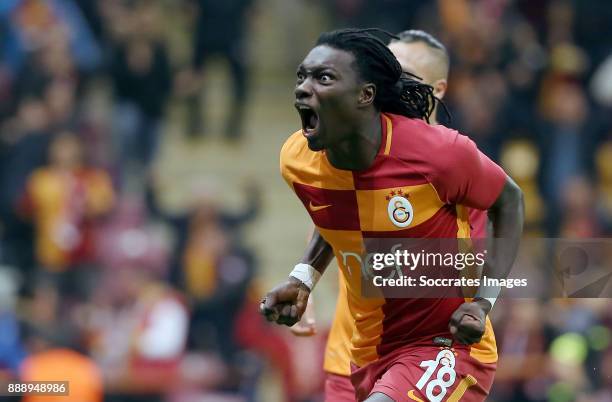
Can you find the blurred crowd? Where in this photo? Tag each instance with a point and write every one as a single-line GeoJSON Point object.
{"type": "Point", "coordinates": [100, 285]}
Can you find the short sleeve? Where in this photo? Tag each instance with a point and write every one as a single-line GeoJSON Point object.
{"type": "Point", "coordinates": [287, 157]}
{"type": "Point", "coordinates": [462, 174]}
{"type": "Point", "coordinates": [283, 161]}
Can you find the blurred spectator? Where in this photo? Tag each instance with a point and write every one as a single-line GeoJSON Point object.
{"type": "Point", "coordinates": [215, 271]}
{"type": "Point", "coordinates": [477, 102]}
{"type": "Point", "coordinates": [40, 23]}
{"type": "Point", "coordinates": [25, 146]}
{"type": "Point", "coordinates": [521, 347]}
{"type": "Point", "coordinates": [139, 333]}
{"type": "Point", "coordinates": [12, 350]}
{"type": "Point", "coordinates": [580, 217]}
{"type": "Point", "coordinates": [601, 84]}
{"type": "Point", "coordinates": [392, 15]}
{"type": "Point", "coordinates": [591, 26]}
{"type": "Point", "coordinates": [565, 113]}
{"type": "Point", "coordinates": [41, 317]}
{"type": "Point", "coordinates": [129, 238]}
{"type": "Point", "coordinates": [604, 185]}
{"type": "Point", "coordinates": [220, 30]}
{"type": "Point", "coordinates": [52, 345]}
{"type": "Point", "coordinates": [91, 13]}
{"type": "Point", "coordinates": [521, 161]}
{"type": "Point", "coordinates": [45, 64]}
{"type": "Point", "coordinates": [603, 394]}
{"type": "Point", "coordinates": [64, 200]}
{"type": "Point", "coordinates": [141, 77]}
{"type": "Point", "coordinates": [60, 97]}
{"type": "Point", "coordinates": [216, 278]}
{"type": "Point", "coordinates": [203, 213]}
{"type": "Point", "coordinates": [254, 333]}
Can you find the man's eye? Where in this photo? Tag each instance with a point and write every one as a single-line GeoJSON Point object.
{"type": "Point", "coordinates": [300, 76]}
{"type": "Point", "coordinates": [325, 78]}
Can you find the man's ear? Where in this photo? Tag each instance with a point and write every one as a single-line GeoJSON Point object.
{"type": "Point", "coordinates": [440, 88]}
{"type": "Point", "coordinates": [367, 95]}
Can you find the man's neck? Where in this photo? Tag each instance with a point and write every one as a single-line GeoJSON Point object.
{"type": "Point", "coordinates": [359, 152]}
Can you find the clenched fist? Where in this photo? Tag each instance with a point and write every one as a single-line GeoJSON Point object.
{"type": "Point", "coordinates": [286, 303]}
{"type": "Point", "coordinates": [467, 324]}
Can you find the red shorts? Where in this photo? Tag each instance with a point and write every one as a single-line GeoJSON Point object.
{"type": "Point", "coordinates": [426, 373]}
{"type": "Point", "coordinates": [338, 388]}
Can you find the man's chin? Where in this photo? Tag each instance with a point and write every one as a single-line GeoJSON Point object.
{"type": "Point", "coordinates": [315, 144]}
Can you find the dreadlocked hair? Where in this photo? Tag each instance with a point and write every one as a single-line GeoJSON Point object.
{"type": "Point", "coordinates": [397, 92]}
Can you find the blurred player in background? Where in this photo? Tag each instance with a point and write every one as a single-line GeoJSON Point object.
{"type": "Point", "coordinates": [343, 85]}
{"type": "Point", "coordinates": [421, 54]}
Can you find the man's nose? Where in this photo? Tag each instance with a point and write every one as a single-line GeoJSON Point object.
{"type": "Point", "coordinates": [303, 89]}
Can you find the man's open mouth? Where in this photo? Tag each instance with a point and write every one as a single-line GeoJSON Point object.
{"type": "Point", "coordinates": [310, 119]}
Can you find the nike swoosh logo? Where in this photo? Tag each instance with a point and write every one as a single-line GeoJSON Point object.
{"type": "Point", "coordinates": [315, 208]}
{"type": "Point", "coordinates": [412, 396]}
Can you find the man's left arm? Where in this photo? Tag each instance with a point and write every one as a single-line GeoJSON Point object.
{"type": "Point", "coordinates": [466, 176]}
{"type": "Point", "coordinates": [467, 323]}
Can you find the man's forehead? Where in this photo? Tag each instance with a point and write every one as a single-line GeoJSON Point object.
{"type": "Point", "coordinates": [327, 56]}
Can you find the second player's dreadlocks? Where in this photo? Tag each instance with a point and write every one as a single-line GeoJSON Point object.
{"type": "Point", "coordinates": [397, 92]}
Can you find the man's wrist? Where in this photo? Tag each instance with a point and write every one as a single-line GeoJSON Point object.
{"type": "Point", "coordinates": [483, 303]}
{"type": "Point", "coordinates": [488, 296]}
{"type": "Point", "coordinates": [298, 282]}
{"type": "Point", "coordinates": [306, 274]}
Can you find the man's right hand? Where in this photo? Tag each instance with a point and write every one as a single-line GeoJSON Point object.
{"type": "Point", "coordinates": [286, 303]}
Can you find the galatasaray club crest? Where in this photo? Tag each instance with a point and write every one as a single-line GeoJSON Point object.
{"type": "Point", "coordinates": [399, 209]}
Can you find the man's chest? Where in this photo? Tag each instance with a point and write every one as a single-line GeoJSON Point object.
{"type": "Point", "coordinates": [381, 203]}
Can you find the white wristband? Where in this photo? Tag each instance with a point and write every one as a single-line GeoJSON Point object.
{"type": "Point", "coordinates": [491, 290]}
{"type": "Point", "coordinates": [491, 300]}
{"type": "Point", "coordinates": [306, 274]}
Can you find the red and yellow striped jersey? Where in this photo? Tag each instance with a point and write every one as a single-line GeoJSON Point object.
{"type": "Point", "coordinates": [441, 172]}
{"type": "Point", "coordinates": [338, 348]}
